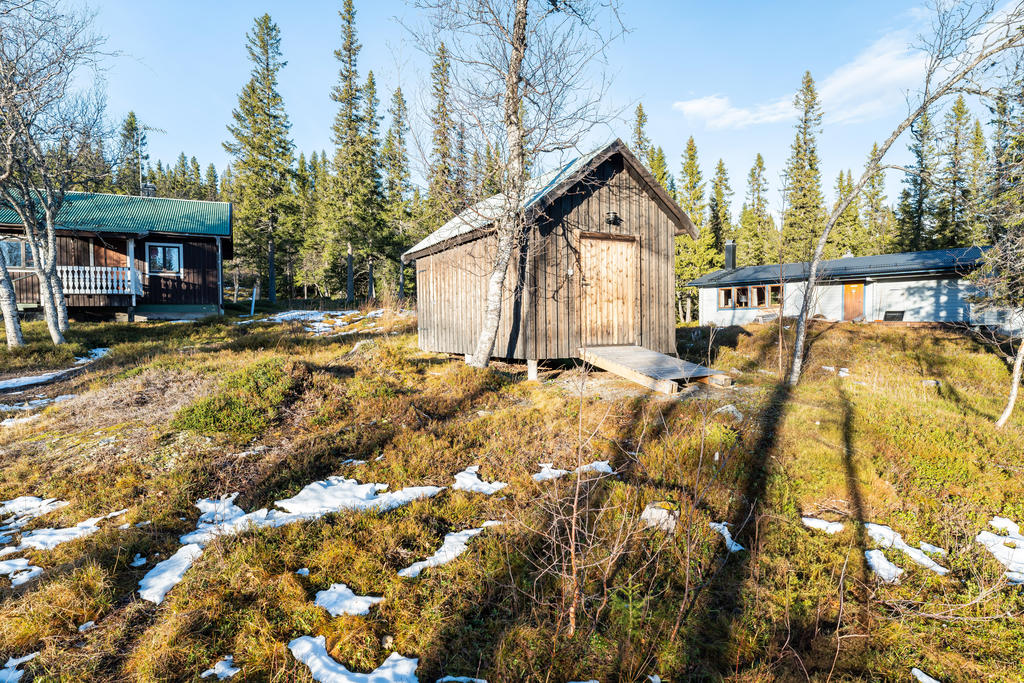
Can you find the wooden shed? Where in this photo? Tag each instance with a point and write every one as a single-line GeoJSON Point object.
{"type": "Point", "coordinates": [596, 267]}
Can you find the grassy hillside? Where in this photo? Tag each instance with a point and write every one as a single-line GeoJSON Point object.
{"type": "Point", "coordinates": [572, 585]}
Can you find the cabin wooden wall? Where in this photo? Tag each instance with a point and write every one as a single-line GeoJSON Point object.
{"type": "Point", "coordinates": [197, 285]}
{"type": "Point", "coordinates": [541, 318]}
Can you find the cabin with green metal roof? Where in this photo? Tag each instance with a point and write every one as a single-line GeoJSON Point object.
{"type": "Point", "coordinates": [154, 257]}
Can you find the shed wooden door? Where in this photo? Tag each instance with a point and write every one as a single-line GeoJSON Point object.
{"type": "Point", "coordinates": [853, 300]}
{"type": "Point", "coordinates": [609, 310]}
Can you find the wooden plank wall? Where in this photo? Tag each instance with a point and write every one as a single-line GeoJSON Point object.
{"type": "Point", "coordinates": [198, 284]}
{"type": "Point", "coordinates": [541, 319]}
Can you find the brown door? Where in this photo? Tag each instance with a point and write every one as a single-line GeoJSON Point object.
{"type": "Point", "coordinates": [853, 300]}
{"type": "Point", "coordinates": [609, 313]}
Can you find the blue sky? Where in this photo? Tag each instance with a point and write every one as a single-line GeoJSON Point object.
{"type": "Point", "coordinates": [724, 72]}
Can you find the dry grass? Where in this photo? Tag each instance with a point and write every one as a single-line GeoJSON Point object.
{"type": "Point", "coordinates": [925, 460]}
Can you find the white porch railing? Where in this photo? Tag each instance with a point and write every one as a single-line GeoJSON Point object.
{"type": "Point", "coordinates": [98, 280]}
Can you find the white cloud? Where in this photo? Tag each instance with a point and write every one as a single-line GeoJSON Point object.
{"type": "Point", "coordinates": [870, 86]}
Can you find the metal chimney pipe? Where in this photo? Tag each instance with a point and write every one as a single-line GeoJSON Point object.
{"type": "Point", "coordinates": [730, 255]}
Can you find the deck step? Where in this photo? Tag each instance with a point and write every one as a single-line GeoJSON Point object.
{"type": "Point", "coordinates": [657, 371]}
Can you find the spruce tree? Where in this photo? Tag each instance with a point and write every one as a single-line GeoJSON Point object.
{"type": "Point", "coordinates": [953, 200]}
{"type": "Point", "coordinates": [641, 144]}
{"type": "Point", "coordinates": [211, 186]}
{"type": "Point", "coordinates": [978, 171]}
{"type": "Point", "coordinates": [262, 153]}
{"type": "Point", "coordinates": [692, 254]}
{"type": "Point", "coordinates": [720, 208]}
{"type": "Point", "coordinates": [376, 242]}
{"type": "Point", "coordinates": [195, 180]}
{"type": "Point", "coordinates": [441, 195]}
{"type": "Point", "coordinates": [133, 155]}
{"type": "Point", "coordinates": [848, 237]}
{"type": "Point", "coordinates": [397, 185]}
{"type": "Point", "coordinates": [877, 217]}
{"type": "Point", "coordinates": [756, 237]}
{"type": "Point", "coordinates": [804, 217]}
{"type": "Point", "coordinates": [342, 219]}
{"type": "Point", "coordinates": [916, 211]}
{"type": "Point", "coordinates": [659, 169]}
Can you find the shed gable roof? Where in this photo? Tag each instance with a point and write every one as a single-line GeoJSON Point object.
{"type": "Point", "coordinates": [960, 260]}
{"type": "Point", "coordinates": [97, 212]}
{"type": "Point", "coordinates": [540, 192]}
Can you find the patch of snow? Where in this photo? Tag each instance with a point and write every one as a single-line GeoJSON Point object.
{"type": "Point", "coordinates": [19, 570]}
{"type": "Point", "coordinates": [302, 572]}
{"type": "Point", "coordinates": [339, 599]}
{"type": "Point", "coordinates": [599, 466]}
{"type": "Point", "coordinates": [931, 549]}
{"type": "Point", "coordinates": [844, 372]}
{"type": "Point", "coordinates": [138, 561]}
{"type": "Point", "coordinates": [548, 472]}
{"type": "Point", "coordinates": [165, 575]}
{"type": "Point", "coordinates": [31, 380]}
{"type": "Point", "coordinates": [1008, 550]}
{"type": "Point", "coordinates": [11, 421]}
{"type": "Point", "coordinates": [48, 539]}
{"type": "Point", "coordinates": [26, 508]}
{"type": "Point", "coordinates": [886, 570]}
{"type": "Point", "coordinates": [313, 653]}
{"type": "Point", "coordinates": [460, 679]}
{"type": "Point", "coordinates": [660, 516]}
{"type": "Point", "coordinates": [455, 543]}
{"type": "Point", "coordinates": [338, 493]}
{"type": "Point", "coordinates": [828, 368]}
{"type": "Point", "coordinates": [731, 410]}
{"type": "Point", "coordinates": [94, 354]}
{"type": "Point", "coordinates": [654, 678]}
{"type": "Point", "coordinates": [887, 538]}
{"type": "Point", "coordinates": [723, 528]}
{"type": "Point", "coordinates": [822, 525]}
{"type": "Point", "coordinates": [469, 480]}
{"type": "Point", "coordinates": [922, 676]}
{"type": "Point", "coordinates": [225, 668]}
{"type": "Point", "coordinates": [86, 626]}
{"type": "Point", "coordinates": [34, 403]}
{"type": "Point", "coordinates": [10, 673]}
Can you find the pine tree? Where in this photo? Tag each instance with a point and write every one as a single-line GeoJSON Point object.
{"type": "Point", "coordinates": [442, 198]}
{"type": "Point", "coordinates": [805, 213]}
{"type": "Point", "coordinates": [953, 200]}
{"type": "Point", "coordinates": [916, 212]}
{"type": "Point", "coordinates": [690, 189]}
{"type": "Point", "coordinates": [460, 175]}
{"type": "Point", "coordinates": [659, 169]}
{"type": "Point", "coordinates": [133, 154]}
{"type": "Point", "coordinates": [195, 180]}
{"type": "Point", "coordinates": [978, 170]}
{"type": "Point", "coordinates": [641, 144]}
{"type": "Point", "coordinates": [377, 241]}
{"type": "Point", "coordinates": [756, 238]}
{"type": "Point", "coordinates": [877, 217]}
{"type": "Point", "coordinates": [720, 208]}
{"type": "Point", "coordinates": [262, 153]}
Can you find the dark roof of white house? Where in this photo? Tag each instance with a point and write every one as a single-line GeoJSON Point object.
{"type": "Point", "coordinates": [960, 261]}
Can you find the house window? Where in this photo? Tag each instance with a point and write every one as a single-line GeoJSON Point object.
{"type": "Point", "coordinates": [725, 297]}
{"type": "Point", "coordinates": [16, 253]}
{"type": "Point", "coordinates": [742, 297]}
{"type": "Point", "coordinates": [163, 259]}
{"type": "Point", "coordinates": [774, 295]}
{"type": "Point", "coordinates": [759, 295]}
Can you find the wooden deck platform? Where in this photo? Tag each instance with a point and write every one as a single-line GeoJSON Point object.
{"type": "Point", "coordinates": [651, 369]}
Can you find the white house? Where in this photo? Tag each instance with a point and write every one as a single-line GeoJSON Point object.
{"type": "Point", "coordinates": [919, 286]}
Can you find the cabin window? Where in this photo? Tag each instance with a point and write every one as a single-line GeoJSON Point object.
{"type": "Point", "coordinates": [725, 298]}
{"type": "Point", "coordinates": [774, 295]}
{"type": "Point", "coordinates": [163, 259]}
{"type": "Point", "coordinates": [16, 253]}
{"type": "Point", "coordinates": [759, 295]}
{"type": "Point", "coordinates": [742, 297]}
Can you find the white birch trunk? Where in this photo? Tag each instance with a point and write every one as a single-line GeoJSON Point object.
{"type": "Point", "coordinates": [9, 307]}
{"type": "Point", "coordinates": [1014, 388]}
{"type": "Point", "coordinates": [510, 226]}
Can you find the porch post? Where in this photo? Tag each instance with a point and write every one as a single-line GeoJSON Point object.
{"type": "Point", "coordinates": [131, 277]}
{"type": "Point", "coordinates": [220, 278]}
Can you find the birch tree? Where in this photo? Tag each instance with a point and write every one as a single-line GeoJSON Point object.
{"type": "Point", "coordinates": [46, 51]}
{"type": "Point", "coordinates": [521, 76]}
{"type": "Point", "coordinates": [966, 43]}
